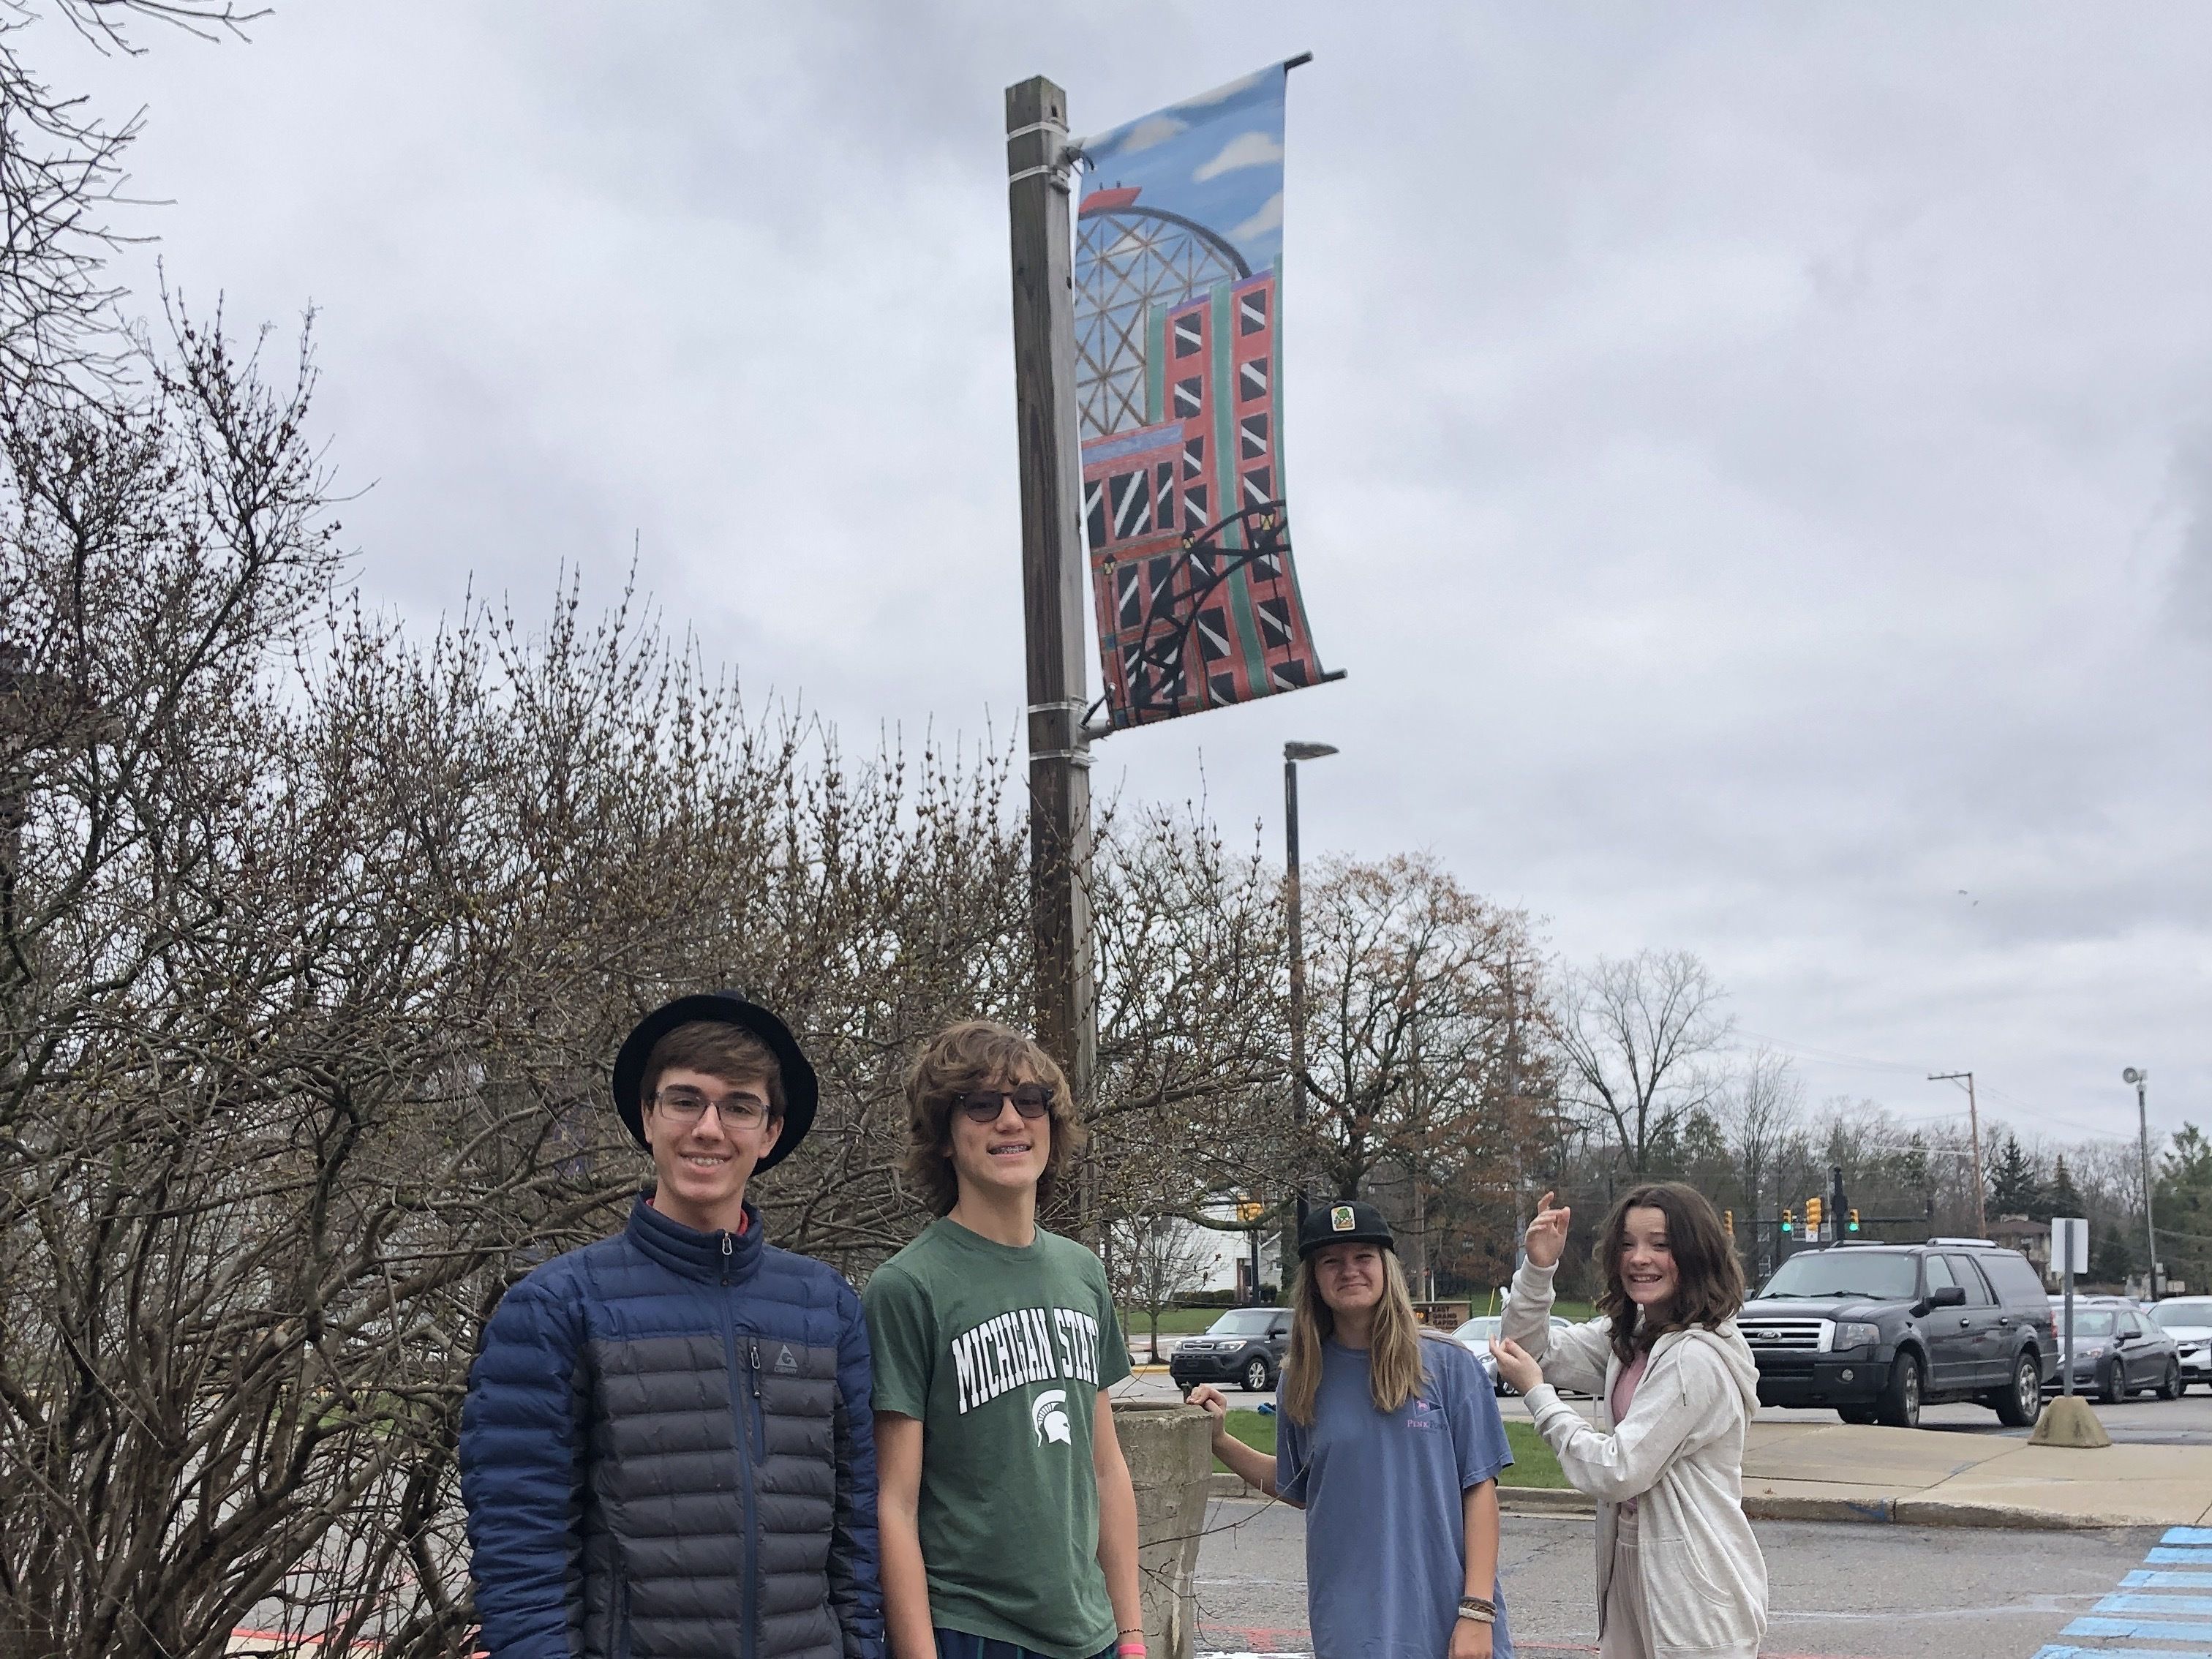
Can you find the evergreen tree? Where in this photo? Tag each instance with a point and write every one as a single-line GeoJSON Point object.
{"type": "Point", "coordinates": [2063, 1198]}
{"type": "Point", "coordinates": [2111, 1258]}
{"type": "Point", "coordinates": [2184, 1213]}
{"type": "Point", "coordinates": [2015, 1187]}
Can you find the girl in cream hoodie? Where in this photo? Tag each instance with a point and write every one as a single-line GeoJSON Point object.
{"type": "Point", "coordinates": [1679, 1573]}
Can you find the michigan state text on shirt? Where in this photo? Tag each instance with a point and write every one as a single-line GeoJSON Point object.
{"type": "Point", "coordinates": [1024, 1345]}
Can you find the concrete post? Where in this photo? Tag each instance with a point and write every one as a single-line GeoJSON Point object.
{"type": "Point", "coordinates": [1170, 1452]}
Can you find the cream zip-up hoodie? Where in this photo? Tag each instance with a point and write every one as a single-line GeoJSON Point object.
{"type": "Point", "coordinates": [1679, 1451]}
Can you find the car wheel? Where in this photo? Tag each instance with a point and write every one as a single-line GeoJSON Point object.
{"type": "Point", "coordinates": [2019, 1406]}
{"type": "Point", "coordinates": [1901, 1401]}
{"type": "Point", "coordinates": [1855, 1414]}
{"type": "Point", "coordinates": [2110, 1390]}
{"type": "Point", "coordinates": [2170, 1385]}
{"type": "Point", "coordinates": [1256, 1380]}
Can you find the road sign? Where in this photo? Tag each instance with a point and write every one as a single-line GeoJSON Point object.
{"type": "Point", "coordinates": [2069, 1243]}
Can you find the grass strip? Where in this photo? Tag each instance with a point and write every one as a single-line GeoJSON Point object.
{"type": "Point", "coordinates": [1533, 1463]}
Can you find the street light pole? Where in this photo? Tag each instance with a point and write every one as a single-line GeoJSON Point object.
{"type": "Point", "coordinates": [1974, 1129]}
{"type": "Point", "coordinates": [1293, 754]}
{"type": "Point", "coordinates": [2139, 1077]}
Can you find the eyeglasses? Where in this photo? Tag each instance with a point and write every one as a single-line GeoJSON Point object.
{"type": "Point", "coordinates": [1031, 1100]}
{"type": "Point", "coordinates": [690, 1105]}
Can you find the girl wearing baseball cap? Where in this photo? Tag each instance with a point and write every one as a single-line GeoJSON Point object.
{"type": "Point", "coordinates": [1392, 1445]}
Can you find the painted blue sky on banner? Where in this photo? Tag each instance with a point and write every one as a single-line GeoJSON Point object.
{"type": "Point", "coordinates": [1216, 158]}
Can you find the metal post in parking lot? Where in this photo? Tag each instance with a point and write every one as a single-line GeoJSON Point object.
{"type": "Point", "coordinates": [2070, 1245]}
{"type": "Point", "coordinates": [2066, 1348]}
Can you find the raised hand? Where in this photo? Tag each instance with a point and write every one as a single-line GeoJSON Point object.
{"type": "Point", "coordinates": [1548, 1233]}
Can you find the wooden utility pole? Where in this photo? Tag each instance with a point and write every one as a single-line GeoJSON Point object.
{"type": "Point", "coordinates": [1974, 1134]}
{"type": "Point", "coordinates": [1038, 169]}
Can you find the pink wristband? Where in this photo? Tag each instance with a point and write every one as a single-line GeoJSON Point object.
{"type": "Point", "coordinates": [1129, 1647]}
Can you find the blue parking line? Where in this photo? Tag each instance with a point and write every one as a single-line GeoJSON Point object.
{"type": "Point", "coordinates": [2057, 1650]}
{"type": "Point", "coordinates": [2154, 1604]}
{"type": "Point", "coordinates": [2187, 1535]}
{"type": "Point", "coordinates": [2142, 1578]}
{"type": "Point", "coordinates": [2180, 1557]}
{"type": "Point", "coordinates": [2147, 1630]}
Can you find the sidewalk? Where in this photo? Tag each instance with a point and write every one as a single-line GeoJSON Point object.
{"type": "Point", "coordinates": [1925, 1478]}
{"type": "Point", "coordinates": [1920, 1477]}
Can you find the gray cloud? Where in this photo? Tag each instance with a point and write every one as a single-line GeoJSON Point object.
{"type": "Point", "coordinates": [1750, 459]}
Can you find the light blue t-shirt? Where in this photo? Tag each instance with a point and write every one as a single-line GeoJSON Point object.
{"type": "Point", "coordinates": [1386, 1528]}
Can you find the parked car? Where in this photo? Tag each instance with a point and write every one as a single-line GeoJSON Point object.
{"type": "Point", "coordinates": [1244, 1347]}
{"type": "Point", "coordinates": [1478, 1333]}
{"type": "Point", "coordinates": [2119, 1352]}
{"type": "Point", "coordinates": [2188, 1321]}
{"type": "Point", "coordinates": [1877, 1331]}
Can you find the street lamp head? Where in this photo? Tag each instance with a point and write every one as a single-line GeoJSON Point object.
{"type": "Point", "coordinates": [2131, 1075]}
{"type": "Point", "coordinates": [1305, 751]}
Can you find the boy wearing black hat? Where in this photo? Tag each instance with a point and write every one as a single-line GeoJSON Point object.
{"type": "Point", "coordinates": [667, 1445]}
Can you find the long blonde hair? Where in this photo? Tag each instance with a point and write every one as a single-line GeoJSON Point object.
{"type": "Point", "coordinates": [1394, 1370]}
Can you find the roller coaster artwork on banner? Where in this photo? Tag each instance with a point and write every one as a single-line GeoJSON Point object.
{"type": "Point", "coordinates": [1178, 287]}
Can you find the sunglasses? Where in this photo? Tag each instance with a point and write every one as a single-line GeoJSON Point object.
{"type": "Point", "coordinates": [1031, 1100]}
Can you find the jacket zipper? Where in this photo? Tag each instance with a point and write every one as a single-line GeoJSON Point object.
{"type": "Point", "coordinates": [738, 1421]}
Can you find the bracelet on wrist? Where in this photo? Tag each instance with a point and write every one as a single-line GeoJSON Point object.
{"type": "Point", "coordinates": [1477, 1615]}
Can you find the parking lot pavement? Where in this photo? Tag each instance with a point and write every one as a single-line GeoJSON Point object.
{"type": "Point", "coordinates": [1847, 1592]}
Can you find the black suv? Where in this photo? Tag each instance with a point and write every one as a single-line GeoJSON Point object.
{"type": "Point", "coordinates": [1244, 1346]}
{"type": "Point", "coordinates": [1879, 1330]}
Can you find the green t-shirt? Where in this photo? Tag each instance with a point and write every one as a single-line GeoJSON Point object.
{"type": "Point", "coordinates": [1000, 1353]}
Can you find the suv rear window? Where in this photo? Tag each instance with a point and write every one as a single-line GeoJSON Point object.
{"type": "Point", "coordinates": [2016, 1281]}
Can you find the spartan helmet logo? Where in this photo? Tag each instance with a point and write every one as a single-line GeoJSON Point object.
{"type": "Point", "coordinates": [1048, 1417]}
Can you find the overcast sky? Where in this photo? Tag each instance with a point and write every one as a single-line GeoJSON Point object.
{"type": "Point", "coordinates": [1754, 462]}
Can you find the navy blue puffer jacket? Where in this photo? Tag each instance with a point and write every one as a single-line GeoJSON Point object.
{"type": "Point", "coordinates": [667, 1449]}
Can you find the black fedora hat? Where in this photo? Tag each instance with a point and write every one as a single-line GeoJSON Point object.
{"type": "Point", "coordinates": [1354, 1223]}
{"type": "Point", "coordinates": [800, 1090]}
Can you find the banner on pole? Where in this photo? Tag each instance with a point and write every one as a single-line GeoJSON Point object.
{"type": "Point", "coordinates": [1178, 341]}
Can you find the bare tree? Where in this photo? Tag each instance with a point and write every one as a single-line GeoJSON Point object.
{"type": "Point", "coordinates": [1428, 1100]}
{"type": "Point", "coordinates": [1639, 1038]}
{"type": "Point", "coordinates": [1157, 1259]}
{"type": "Point", "coordinates": [1764, 1109]}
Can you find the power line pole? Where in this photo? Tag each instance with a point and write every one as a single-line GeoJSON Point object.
{"type": "Point", "coordinates": [1974, 1128]}
{"type": "Point", "coordinates": [2137, 1076]}
{"type": "Point", "coordinates": [1038, 168]}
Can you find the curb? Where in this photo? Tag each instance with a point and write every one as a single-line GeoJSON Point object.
{"type": "Point", "coordinates": [1777, 1506]}
{"type": "Point", "coordinates": [1931, 1512]}
{"type": "Point", "coordinates": [1544, 1500]}
{"type": "Point", "coordinates": [1531, 1500]}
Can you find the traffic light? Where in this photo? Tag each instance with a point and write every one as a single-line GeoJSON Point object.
{"type": "Point", "coordinates": [1727, 1223]}
{"type": "Point", "coordinates": [1812, 1217]}
{"type": "Point", "coordinates": [1854, 1221]}
{"type": "Point", "coordinates": [1789, 1222]}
